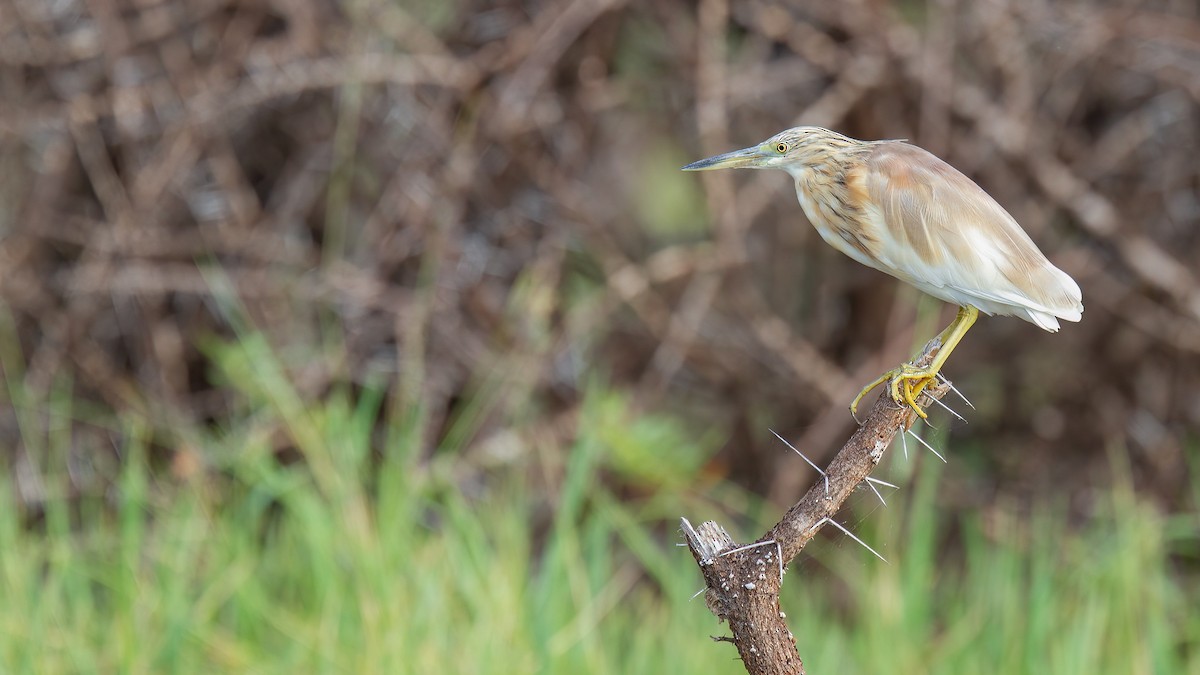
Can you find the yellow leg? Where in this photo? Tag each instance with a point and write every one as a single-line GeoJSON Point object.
{"type": "Point", "coordinates": [906, 382]}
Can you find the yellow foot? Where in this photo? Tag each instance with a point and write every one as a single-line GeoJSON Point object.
{"type": "Point", "coordinates": [907, 381]}
{"type": "Point", "coordinates": [905, 384]}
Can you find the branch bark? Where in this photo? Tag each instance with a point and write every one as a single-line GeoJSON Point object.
{"type": "Point", "coordinates": [743, 582]}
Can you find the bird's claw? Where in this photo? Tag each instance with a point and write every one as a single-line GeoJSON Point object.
{"type": "Point", "coordinates": [905, 384]}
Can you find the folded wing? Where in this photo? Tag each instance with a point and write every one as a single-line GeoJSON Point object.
{"type": "Point", "coordinates": [942, 233]}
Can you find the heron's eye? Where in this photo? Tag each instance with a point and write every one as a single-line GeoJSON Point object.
{"type": "Point", "coordinates": [781, 148]}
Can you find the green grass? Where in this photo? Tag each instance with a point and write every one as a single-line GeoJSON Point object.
{"type": "Point", "coordinates": [360, 557]}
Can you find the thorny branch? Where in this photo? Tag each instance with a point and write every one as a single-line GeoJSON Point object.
{"type": "Point", "coordinates": [743, 582]}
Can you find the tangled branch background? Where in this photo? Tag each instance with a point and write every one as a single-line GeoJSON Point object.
{"type": "Point", "coordinates": [466, 195]}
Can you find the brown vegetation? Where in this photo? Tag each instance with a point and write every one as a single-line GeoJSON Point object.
{"type": "Point", "coordinates": [466, 187]}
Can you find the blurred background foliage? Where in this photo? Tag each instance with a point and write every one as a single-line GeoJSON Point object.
{"type": "Point", "coordinates": [353, 335]}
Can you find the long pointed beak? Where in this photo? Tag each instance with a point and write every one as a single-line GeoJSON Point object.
{"type": "Point", "coordinates": [746, 158]}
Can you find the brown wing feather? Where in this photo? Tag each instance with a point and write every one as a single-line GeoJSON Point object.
{"type": "Point", "coordinates": [948, 232]}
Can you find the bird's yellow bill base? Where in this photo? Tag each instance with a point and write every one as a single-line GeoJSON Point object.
{"type": "Point", "coordinates": [907, 381]}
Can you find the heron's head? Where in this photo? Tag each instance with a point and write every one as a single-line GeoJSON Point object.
{"type": "Point", "coordinates": [791, 150]}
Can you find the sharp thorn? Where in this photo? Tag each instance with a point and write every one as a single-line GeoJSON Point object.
{"type": "Point", "coordinates": [851, 535]}
{"type": "Point", "coordinates": [697, 593]}
{"type": "Point", "coordinates": [882, 482]}
{"type": "Point", "coordinates": [904, 444]}
{"type": "Point", "coordinates": [810, 462]}
{"type": "Point", "coordinates": [954, 389]}
{"type": "Point", "coordinates": [779, 554]}
{"type": "Point", "coordinates": [806, 459]}
{"type": "Point", "coordinates": [747, 547]}
{"type": "Point", "coordinates": [949, 409]}
{"type": "Point", "coordinates": [876, 491]}
{"type": "Point", "coordinates": [922, 442]}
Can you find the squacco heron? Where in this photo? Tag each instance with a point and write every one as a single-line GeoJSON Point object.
{"type": "Point", "coordinates": [899, 209]}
